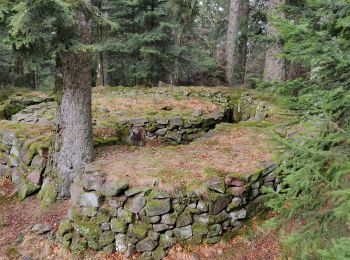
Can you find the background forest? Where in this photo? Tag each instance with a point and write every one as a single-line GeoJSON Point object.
{"type": "Point", "coordinates": [296, 50]}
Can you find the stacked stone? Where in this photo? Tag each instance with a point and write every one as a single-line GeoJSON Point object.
{"type": "Point", "coordinates": [176, 130]}
{"type": "Point", "coordinates": [24, 160]}
{"type": "Point", "coordinates": [110, 216]}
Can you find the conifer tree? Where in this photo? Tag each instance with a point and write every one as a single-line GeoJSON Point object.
{"type": "Point", "coordinates": [60, 29]}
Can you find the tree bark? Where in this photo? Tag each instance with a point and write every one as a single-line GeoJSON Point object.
{"type": "Point", "coordinates": [74, 147]}
{"type": "Point", "coordinates": [102, 67]}
{"type": "Point", "coordinates": [275, 67]}
{"type": "Point", "coordinates": [243, 47]}
{"type": "Point", "coordinates": [232, 41]}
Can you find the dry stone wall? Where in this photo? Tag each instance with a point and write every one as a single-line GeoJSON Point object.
{"type": "Point", "coordinates": [110, 216]}
{"type": "Point", "coordinates": [24, 160]}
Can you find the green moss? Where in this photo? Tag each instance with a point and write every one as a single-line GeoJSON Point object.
{"type": "Point", "coordinates": [106, 238]}
{"type": "Point", "coordinates": [139, 230]}
{"type": "Point", "coordinates": [88, 230]}
{"type": "Point", "coordinates": [27, 188]}
{"type": "Point", "coordinates": [64, 228]}
{"type": "Point", "coordinates": [102, 217]}
{"type": "Point", "coordinates": [119, 226]}
{"type": "Point", "coordinates": [199, 229]}
{"type": "Point", "coordinates": [48, 194]}
{"type": "Point", "coordinates": [78, 244]}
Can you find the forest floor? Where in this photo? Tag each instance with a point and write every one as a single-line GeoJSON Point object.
{"type": "Point", "coordinates": [230, 148]}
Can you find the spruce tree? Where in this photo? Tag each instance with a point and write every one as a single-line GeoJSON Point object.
{"type": "Point", "coordinates": [61, 30]}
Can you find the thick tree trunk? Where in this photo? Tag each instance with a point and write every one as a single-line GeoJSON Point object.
{"type": "Point", "coordinates": [243, 47]}
{"type": "Point", "coordinates": [232, 43]}
{"type": "Point", "coordinates": [275, 67]}
{"type": "Point", "coordinates": [73, 147]}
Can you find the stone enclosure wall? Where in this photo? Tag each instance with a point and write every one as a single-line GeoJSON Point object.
{"type": "Point", "coordinates": [178, 130]}
{"type": "Point", "coordinates": [24, 160]}
{"type": "Point", "coordinates": [111, 217]}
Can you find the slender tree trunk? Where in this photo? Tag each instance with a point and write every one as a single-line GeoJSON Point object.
{"type": "Point", "coordinates": [232, 37]}
{"type": "Point", "coordinates": [102, 66]}
{"type": "Point", "coordinates": [73, 147]}
{"type": "Point", "coordinates": [243, 47]}
{"type": "Point", "coordinates": [275, 67]}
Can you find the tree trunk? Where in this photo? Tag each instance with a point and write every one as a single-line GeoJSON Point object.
{"type": "Point", "coordinates": [74, 147]}
{"type": "Point", "coordinates": [275, 67]}
{"type": "Point", "coordinates": [232, 37]}
{"type": "Point", "coordinates": [102, 66]}
{"type": "Point", "coordinates": [243, 47]}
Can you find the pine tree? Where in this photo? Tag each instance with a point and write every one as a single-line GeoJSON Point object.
{"type": "Point", "coordinates": [316, 169]}
{"type": "Point", "coordinates": [140, 48]}
{"type": "Point", "coordinates": [54, 28]}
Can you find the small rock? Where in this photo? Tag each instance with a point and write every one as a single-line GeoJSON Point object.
{"type": "Point", "coordinates": [35, 177]}
{"type": "Point", "coordinates": [162, 121]}
{"type": "Point", "coordinates": [184, 219]}
{"type": "Point", "coordinates": [216, 184]}
{"type": "Point", "coordinates": [236, 215]}
{"type": "Point", "coordinates": [161, 132]}
{"type": "Point", "coordinates": [105, 226]}
{"type": "Point", "coordinates": [114, 188]}
{"type": "Point", "coordinates": [135, 204]}
{"type": "Point", "coordinates": [183, 233]}
{"type": "Point", "coordinates": [169, 219]}
{"type": "Point", "coordinates": [157, 207]}
{"type": "Point", "coordinates": [138, 230]}
{"type": "Point", "coordinates": [117, 202]}
{"type": "Point", "coordinates": [160, 227]}
{"type": "Point", "coordinates": [43, 228]}
{"type": "Point", "coordinates": [176, 121]}
{"type": "Point", "coordinates": [38, 162]}
{"type": "Point", "coordinates": [94, 181]}
{"type": "Point", "coordinates": [197, 112]}
{"type": "Point", "coordinates": [91, 199]}
{"type": "Point", "coordinates": [146, 245]}
{"type": "Point", "coordinates": [174, 136]}
{"type": "Point", "coordinates": [233, 182]}
{"type": "Point", "coordinates": [121, 243]}
{"type": "Point", "coordinates": [139, 122]}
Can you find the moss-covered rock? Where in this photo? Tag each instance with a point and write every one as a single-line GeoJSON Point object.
{"type": "Point", "coordinates": [87, 229]}
{"type": "Point", "coordinates": [214, 230]}
{"type": "Point", "coordinates": [199, 229]}
{"type": "Point", "coordinates": [118, 226]}
{"type": "Point", "coordinates": [64, 228]}
{"type": "Point", "coordinates": [78, 244]}
{"type": "Point", "coordinates": [138, 230]}
{"type": "Point", "coordinates": [106, 238]}
{"type": "Point", "coordinates": [157, 207]}
{"type": "Point", "coordinates": [47, 194]}
{"type": "Point", "coordinates": [27, 188]}
{"type": "Point", "coordinates": [218, 202]}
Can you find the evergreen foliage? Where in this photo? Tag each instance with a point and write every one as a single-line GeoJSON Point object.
{"type": "Point", "coordinates": [316, 168]}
